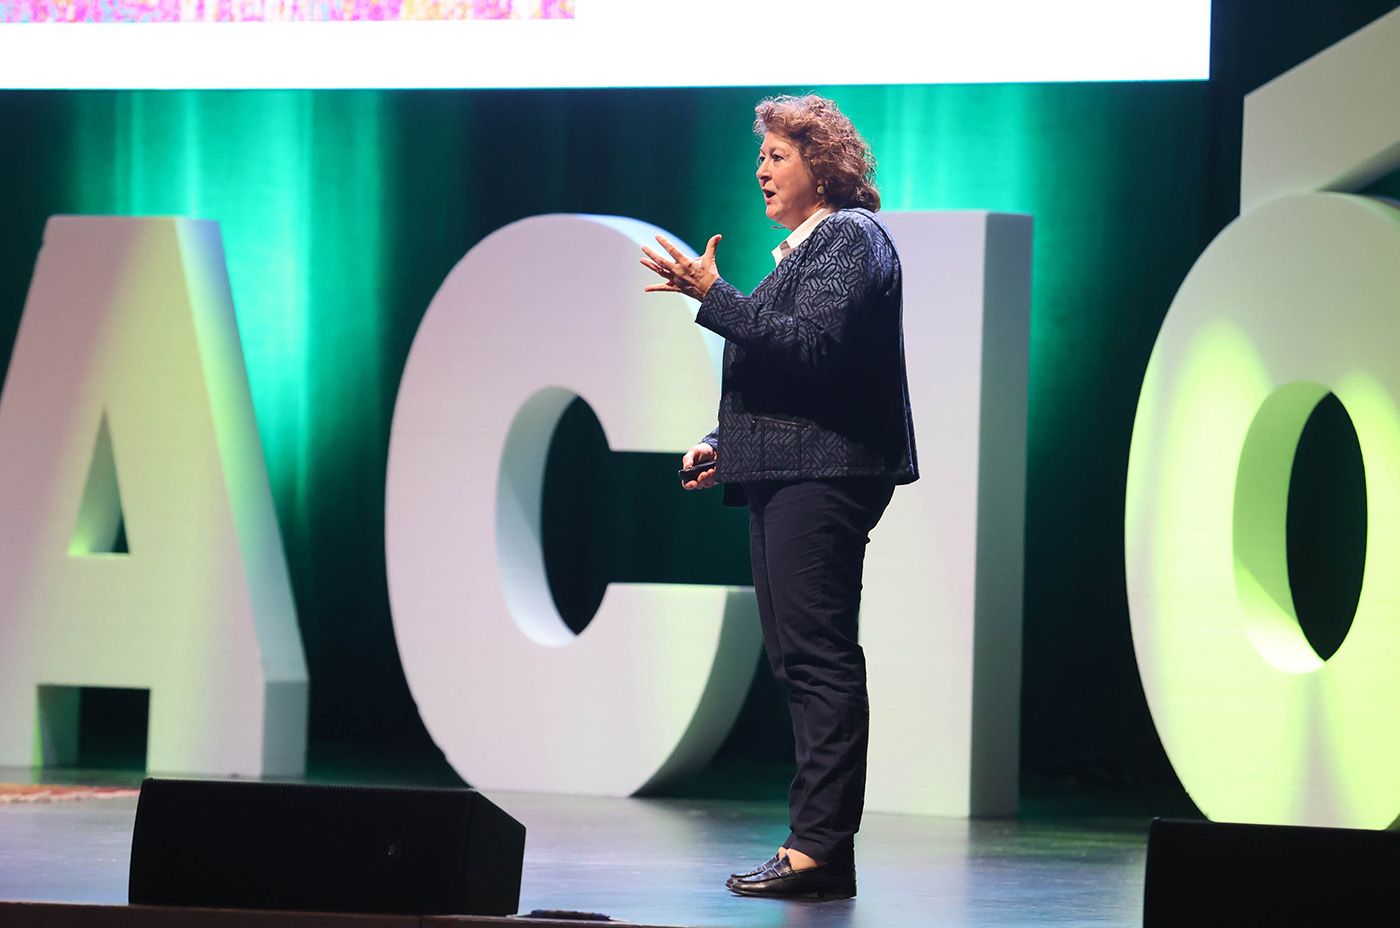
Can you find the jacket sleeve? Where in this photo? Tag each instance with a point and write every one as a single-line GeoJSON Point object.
{"type": "Point", "coordinates": [809, 336]}
{"type": "Point", "coordinates": [712, 440]}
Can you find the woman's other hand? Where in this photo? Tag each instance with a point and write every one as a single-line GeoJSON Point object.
{"type": "Point", "coordinates": [691, 276]}
{"type": "Point", "coordinates": [699, 455]}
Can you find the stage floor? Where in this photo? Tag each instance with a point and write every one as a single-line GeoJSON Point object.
{"type": "Point", "coordinates": [664, 861]}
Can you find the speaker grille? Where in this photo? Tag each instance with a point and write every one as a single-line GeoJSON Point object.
{"type": "Point", "coordinates": [1214, 873]}
{"type": "Point", "coordinates": [233, 844]}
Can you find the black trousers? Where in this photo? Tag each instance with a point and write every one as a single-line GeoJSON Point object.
{"type": "Point", "coordinates": [807, 542]}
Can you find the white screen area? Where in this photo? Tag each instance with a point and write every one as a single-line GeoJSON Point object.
{"type": "Point", "coordinates": [604, 43]}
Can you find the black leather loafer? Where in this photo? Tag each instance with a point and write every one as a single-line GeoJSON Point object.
{"type": "Point", "coordinates": [756, 870]}
{"type": "Point", "coordinates": [779, 881]}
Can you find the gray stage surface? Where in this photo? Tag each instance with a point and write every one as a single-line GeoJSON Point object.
{"type": "Point", "coordinates": [664, 861]}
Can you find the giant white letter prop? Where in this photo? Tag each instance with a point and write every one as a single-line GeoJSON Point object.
{"type": "Point", "coordinates": [940, 618]}
{"type": "Point", "coordinates": [651, 686]}
{"type": "Point", "coordinates": [126, 399]}
{"type": "Point", "coordinates": [1297, 297]}
{"type": "Point", "coordinates": [538, 313]}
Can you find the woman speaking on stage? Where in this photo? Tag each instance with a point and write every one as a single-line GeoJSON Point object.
{"type": "Point", "coordinates": [814, 434]}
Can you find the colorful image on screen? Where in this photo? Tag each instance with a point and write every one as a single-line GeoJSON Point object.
{"type": "Point", "coordinates": [233, 11]}
{"type": "Point", "coordinates": [304, 44]}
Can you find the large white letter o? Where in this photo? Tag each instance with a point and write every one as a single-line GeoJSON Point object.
{"type": "Point", "coordinates": [1296, 298]}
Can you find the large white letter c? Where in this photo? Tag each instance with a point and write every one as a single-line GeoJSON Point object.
{"type": "Point", "coordinates": [539, 312]}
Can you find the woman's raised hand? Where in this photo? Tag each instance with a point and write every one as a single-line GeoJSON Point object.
{"type": "Point", "coordinates": [691, 276]}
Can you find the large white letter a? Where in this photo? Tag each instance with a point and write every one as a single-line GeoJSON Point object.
{"type": "Point", "coordinates": [126, 402]}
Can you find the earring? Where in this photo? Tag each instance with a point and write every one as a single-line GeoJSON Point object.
{"type": "Point", "coordinates": [821, 190]}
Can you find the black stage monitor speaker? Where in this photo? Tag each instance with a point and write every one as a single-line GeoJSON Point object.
{"type": "Point", "coordinates": [1211, 873]}
{"type": "Point", "coordinates": [244, 845]}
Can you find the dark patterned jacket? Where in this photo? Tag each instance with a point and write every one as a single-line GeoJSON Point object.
{"type": "Point", "coordinates": [814, 380]}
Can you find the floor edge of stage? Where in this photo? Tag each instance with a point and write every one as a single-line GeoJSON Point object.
{"type": "Point", "coordinates": [21, 914]}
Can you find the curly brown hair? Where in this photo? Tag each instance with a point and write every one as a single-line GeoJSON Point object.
{"type": "Point", "coordinates": [837, 156]}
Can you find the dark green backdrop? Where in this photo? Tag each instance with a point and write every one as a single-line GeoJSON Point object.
{"type": "Point", "coordinates": [342, 211]}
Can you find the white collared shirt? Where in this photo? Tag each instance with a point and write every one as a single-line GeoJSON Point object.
{"type": "Point", "coordinates": [800, 234]}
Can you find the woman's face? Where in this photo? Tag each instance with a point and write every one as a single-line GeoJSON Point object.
{"type": "Point", "coordinates": [789, 189]}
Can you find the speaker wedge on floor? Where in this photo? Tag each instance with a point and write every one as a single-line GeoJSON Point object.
{"type": "Point", "coordinates": [1217, 873]}
{"type": "Point", "coordinates": [230, 844]}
